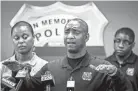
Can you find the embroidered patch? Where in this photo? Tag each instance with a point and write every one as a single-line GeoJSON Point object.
{"type": "Point", "coordinates": [87, 76]}
{"type": "Point", "coordinates": [130, 71]}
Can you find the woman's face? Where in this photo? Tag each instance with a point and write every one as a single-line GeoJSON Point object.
{"type": "Point", "coordinates": [23, 39]}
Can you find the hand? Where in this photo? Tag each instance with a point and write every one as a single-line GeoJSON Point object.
{"type": "Point", "coordinates": [107, 69]}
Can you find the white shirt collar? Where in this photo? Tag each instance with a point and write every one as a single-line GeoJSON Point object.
{"type": "Point", "coordinates": [31, 62]}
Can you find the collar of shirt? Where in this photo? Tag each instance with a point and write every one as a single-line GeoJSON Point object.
{"type": "Point", "coordinates": [32, 62]}
{"type": "Point", "coordinates": [130, 59]}
{"type": "Point", "coordinates": [85, 62]}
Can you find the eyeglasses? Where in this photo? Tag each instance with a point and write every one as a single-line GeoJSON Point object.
{"type": "Point", "coordinates": [124, 42]}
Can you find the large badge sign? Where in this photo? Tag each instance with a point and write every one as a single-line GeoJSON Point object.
{"type": "Point", "coordinates": [48, 22]}
{"type": "Point", "coordinates": [49, 30]}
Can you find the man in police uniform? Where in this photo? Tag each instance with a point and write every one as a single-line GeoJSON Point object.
{"type": "Point", "coordinates": [123, 57]}
{"type": "Point", "coordinates": [88, 73]}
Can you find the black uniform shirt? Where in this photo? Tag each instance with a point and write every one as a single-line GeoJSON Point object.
{"type": "Point", "coordinates": [129, 68]}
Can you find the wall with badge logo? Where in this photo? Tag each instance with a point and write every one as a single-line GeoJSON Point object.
{"type": "Point", "coordinates": [118, 14]}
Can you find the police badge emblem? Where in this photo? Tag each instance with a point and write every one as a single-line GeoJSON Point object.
{"type": "Point", "coordinates": [87, 76]}
{"type": "Point", "coordinates": [130, 71]}
{"type": "Point", "coordinates": [48, 26]}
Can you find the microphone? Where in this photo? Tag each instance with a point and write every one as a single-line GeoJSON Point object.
{"type": "Point", "coordinates": [9, 82]}
{"type": "Point", "coordinates": [20, 70]}
{"type": "Point", "coordinates": [21, 75]}
{"type": "Point", "coordinates": [16, 69]}
{"type": "Point", "coordinates": [48, 80]}
{"type": "Point", "coordinates": [71, 84]}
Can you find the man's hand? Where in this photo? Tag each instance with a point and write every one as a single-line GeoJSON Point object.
{"type": "Point", "coordinates": [107, 69]}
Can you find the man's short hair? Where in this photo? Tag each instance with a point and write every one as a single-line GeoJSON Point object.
{"type": "Point", "coordinates": [22, 23]}
{"type": "Point", "coordinates": [82, 22]}
{"type": "Point", "coordinates": [126, 31]}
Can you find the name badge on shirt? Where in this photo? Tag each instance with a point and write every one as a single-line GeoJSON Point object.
{"type": "Point", "coordinates": [130, 71]}
{"type": "Point", "coordinates": [87, 76]}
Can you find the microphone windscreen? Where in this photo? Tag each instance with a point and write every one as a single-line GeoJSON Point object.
{"type": "Point", "coordinates": [9, 82]}
{"type": "Point", "coordinates": [21, 74]}
{"type": "Point", "coordinates": [12, 79]}
{"type": "Point", "coordinates": [47, 78]}
{"type": "Point", "coordinates": [70, 84]}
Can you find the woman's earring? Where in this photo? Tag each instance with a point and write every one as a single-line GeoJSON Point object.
{"type": "Point", "coordinates": [33, 48]}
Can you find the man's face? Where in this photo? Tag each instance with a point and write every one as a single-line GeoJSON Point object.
{"type": "Point", "coordinates": [122, 44]}
{"type": "Point", "coordinates": [22, 39]}
{"type": "Point", "coordinates": [74, 37]}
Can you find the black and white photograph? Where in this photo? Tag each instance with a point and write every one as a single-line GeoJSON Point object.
{"type": "Point", "coordinates": [69, 45]}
